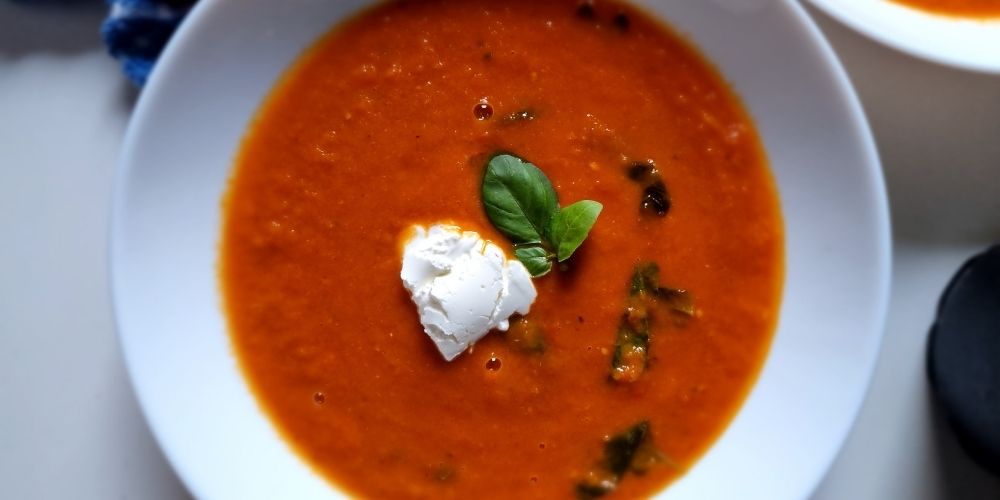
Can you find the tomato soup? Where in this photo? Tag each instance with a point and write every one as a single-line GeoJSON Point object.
{"type": "Point", "coordinates": [963, 8]}
{"type": "Point", "coordinates": [389, 121]}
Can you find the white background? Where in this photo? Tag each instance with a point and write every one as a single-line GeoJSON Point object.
{"type": "Point", "coordinates": [69, 424]}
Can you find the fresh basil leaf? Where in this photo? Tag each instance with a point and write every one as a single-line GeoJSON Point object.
{"type": "Point", "coordinates": [519, 199]}
{"type": "Point", "coordinates": [536, 259]}
{"type": "Point", "coordinates": [571, 225]}
{"type": "Point", "coordinates": [521, 203]}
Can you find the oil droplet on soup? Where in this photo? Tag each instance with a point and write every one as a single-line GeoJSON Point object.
{"type": "Point", "coordinates": [483, 111]}
{"type": "Point", "coordinates": [493, 364]}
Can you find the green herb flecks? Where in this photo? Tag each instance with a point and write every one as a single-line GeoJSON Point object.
{"type": "Point", "coordinates": [522, 116]}
{"type": "Point", "coordinates": [441, 472]}
{"type": "Point", "coordinates": [521, 203]}
{"type": "Point", "coordinates": [631, 352]}
{"type": "Point", "coordinates": [631, 355]}
{"type": "Point", "coordinates": [629, 451]}
{"type": "Point", "coordinates": [646, 281]}
{"type": "Point", "coordinates": [526, 336]}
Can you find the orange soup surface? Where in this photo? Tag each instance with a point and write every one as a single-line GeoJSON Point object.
{"type": "Point", "coordinates": [963, 8]}
{"type": "Point", "coordinates": [389, 122]}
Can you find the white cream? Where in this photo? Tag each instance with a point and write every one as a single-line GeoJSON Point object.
{"type": "Point", "coordinates": [463, 286]}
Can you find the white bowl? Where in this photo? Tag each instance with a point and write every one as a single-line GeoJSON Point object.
{"type": "Point", "coordinates": [166, 226]}
{"type": "Point", "coordinates": [971, 44]}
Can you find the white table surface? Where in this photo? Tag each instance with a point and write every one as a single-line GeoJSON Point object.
{"type": "Point", "coordinates": [69, 423]}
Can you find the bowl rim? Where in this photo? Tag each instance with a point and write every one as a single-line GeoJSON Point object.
{"type": "Point", "coordinates": [195, 21]}
{"type": "Point", "coordinates": [870, 28]}
{"type": "Point", "coordinates": [882, 217]}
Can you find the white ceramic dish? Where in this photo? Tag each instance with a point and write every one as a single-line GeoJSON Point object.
{"type": "Point", "coordinates": [971, 44]}
{"type": "Point", "coordinates": [224, 59]}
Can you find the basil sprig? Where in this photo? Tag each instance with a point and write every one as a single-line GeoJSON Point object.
{"type": "Point", "coordinates": [522, 204]}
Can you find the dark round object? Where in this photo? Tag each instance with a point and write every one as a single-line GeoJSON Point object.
{"type": "Point", "coordinates": [963, 357]}
{"type": "Point", "coordinates": [621, 21]}
{"type": "Point", "coordinates": [483, 111]}
{"type": "Point", "coordinates": [655, 199]}
{"type": "Point", "coordinates": [642, 171]}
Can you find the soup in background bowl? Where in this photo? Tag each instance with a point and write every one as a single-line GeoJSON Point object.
{"type": "Point", "coordinates": [328, 381]}
{"type": "Point", "coordinates": [959, 33]}
{"type": "Point", "coordinates": [982, 9]}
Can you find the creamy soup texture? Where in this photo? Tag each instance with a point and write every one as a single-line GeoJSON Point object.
{"type": "Point", "coordinates": [388, 121]}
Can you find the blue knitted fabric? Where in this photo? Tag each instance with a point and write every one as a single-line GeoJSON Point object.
{"type": "Point", "coordinates": [135, 32]}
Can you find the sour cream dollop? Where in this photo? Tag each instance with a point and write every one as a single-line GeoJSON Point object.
{"type": "Point", "coordinates": [463, 286]}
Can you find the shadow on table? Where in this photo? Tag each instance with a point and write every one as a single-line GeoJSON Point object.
{"type": "Point", "coordinates": [940, 193]}
{"type": "Point", "coordinates": [58, 26]}
{"type": "Point", "coordinates": [145, 459]}
{"type": "Point", "coordinates": [938, 133]}
{"type": "Point", "coordinates": [961, 478]}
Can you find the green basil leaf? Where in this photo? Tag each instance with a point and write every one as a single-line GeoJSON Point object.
{"type": "Point", "coordinates": [536, 259]}
{"type": "Point", "coordinates": [519, 199]}
{"type": "Point", "coordinates": [571, 225]}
